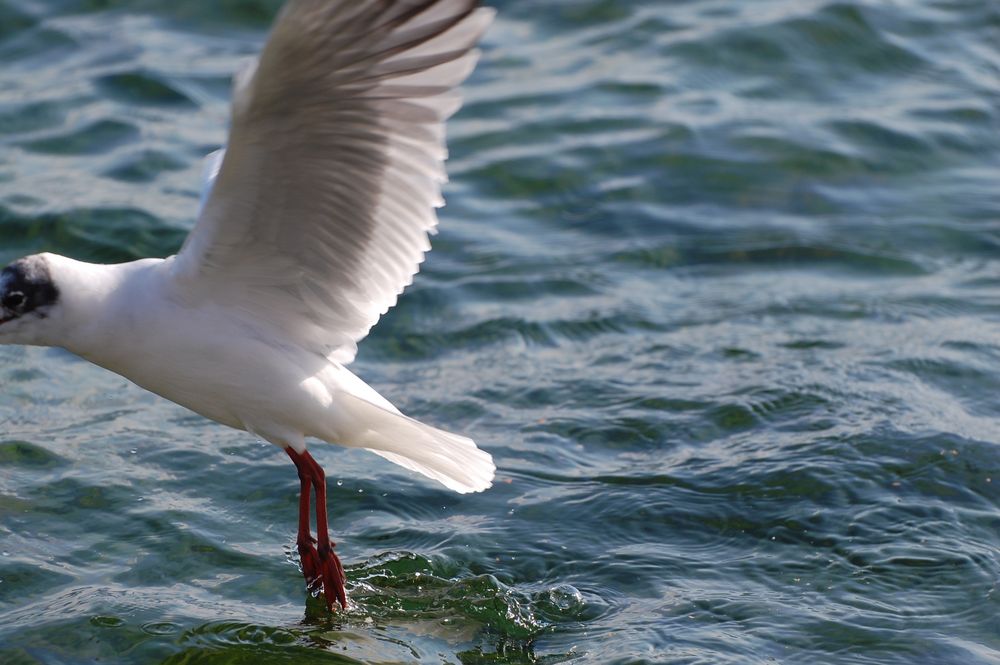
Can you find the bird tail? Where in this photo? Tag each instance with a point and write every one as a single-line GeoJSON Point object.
{"type": "Point", "coordinates": [448, 458]}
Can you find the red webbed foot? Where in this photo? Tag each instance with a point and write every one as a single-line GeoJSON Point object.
{"type": "Point", "coordinates": [333, 576]}
{"type": "Point", "coordinates": [309, 562]}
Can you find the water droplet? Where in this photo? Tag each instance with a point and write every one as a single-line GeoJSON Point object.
{"type": "Point", "coordinates": [340, 483]}
{"type": "Point", "coordinates": [133, 451]}
{"type": "Point", "coordinates": [361, 491]}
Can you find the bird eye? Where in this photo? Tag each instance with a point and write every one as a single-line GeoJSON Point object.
{"type": "Point", "coordinates": [13, 300]}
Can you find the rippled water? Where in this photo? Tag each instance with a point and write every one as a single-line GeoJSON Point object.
{"type": "Point", "coordinates": [717, 285]}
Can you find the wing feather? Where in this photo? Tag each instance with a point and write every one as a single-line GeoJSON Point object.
{"type": "Point", "coordinates": [319, 215]}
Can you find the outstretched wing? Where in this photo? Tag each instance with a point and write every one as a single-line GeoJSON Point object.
{"type": "Point", "coordinates": [320, 213]}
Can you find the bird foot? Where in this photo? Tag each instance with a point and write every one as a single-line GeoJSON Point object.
{"type": "Point", "coordinates": [332, 573]}
{"type": "Point", "coordinates": [309, 562]}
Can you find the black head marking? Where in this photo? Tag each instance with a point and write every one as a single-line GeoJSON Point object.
{"type": "Point", "coordinates": [25, 287]}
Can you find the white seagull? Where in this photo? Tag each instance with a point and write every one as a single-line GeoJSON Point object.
{"type": "Point", "coordinates": [316, 218]}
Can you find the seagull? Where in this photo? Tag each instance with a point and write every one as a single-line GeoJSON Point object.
{"type": "Point", "coordinates": [314, 219]}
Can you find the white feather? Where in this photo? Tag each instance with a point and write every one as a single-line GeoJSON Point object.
{"type": "Point", "coordinates": [321, 211]}
{"type": "Point", "coordinates": [317, 215]}
{"type": "Point", "coordinates": [314, 219]}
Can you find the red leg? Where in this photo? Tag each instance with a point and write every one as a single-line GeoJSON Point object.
{"type": "Point", "coordinates": [308, 556]}
{"type": "Point", "coordinates": [331, 569]}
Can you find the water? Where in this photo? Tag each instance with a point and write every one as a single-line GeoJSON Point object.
{"type": "Point", "coordinates": [717, 286]}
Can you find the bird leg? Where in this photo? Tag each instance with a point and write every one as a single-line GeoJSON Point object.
{"type": "Point", "coordinates": [331, 569]}
{"type": "Point", "coordinates": [308, 557]}
{"type": "Point", "coordinates": [320, 564]}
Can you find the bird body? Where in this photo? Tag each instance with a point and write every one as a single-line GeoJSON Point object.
{"type": "Point", "coordinates": [313, 221]}
{"type": "Point", "coordinates": [126, 318]}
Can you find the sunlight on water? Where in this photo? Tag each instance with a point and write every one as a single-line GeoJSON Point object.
{"type": "Point", "coordinates": [717, 285]}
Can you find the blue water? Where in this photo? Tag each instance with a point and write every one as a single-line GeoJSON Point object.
{"type": "Point", "coordinates": [717, 286]}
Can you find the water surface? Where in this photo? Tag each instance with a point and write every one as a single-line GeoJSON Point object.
{"type": "Point", "coordinates": [717, 285]}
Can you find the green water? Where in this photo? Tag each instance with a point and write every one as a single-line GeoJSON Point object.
{"type": "Point", "coordinates": [717, 286]}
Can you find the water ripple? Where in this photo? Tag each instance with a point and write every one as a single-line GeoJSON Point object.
{"type": "Point", "coordinates": [716, 285]}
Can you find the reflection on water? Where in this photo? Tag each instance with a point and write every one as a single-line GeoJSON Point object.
{"type": "Point", "coordinates": [716, 285]}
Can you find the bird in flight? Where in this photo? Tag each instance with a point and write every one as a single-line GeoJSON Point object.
{"type": "Point", "coordinates": [315, 218]}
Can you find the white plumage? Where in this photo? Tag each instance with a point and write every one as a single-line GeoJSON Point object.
{"type": "Point", "coordinates": [314, 220]}
{"type": "Point", "coordinates": [334, 166]}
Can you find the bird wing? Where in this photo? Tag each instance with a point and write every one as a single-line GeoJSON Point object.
{"type": "Point", "coordinates": [209, 172]}
{"type": "Point", "coordinates": [320, 211]}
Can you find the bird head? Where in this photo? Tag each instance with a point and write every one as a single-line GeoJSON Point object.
{"type": "Point", "coordinates": [28, 296]}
